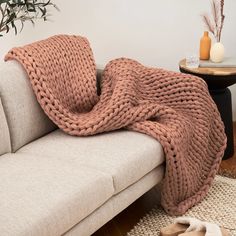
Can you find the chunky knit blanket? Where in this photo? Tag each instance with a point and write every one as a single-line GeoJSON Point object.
{"type": "Point", "coordinates": [175, 109]}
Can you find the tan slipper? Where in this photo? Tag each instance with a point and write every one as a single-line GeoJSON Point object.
{"type": "Point", "coordinates": [187, 226]}
{"type": "Point", "coordinates": [194, 233]}
{"type": "Point", "coordinates": [174, 229]}
{"type": "Point", "coordinates": [181, 224]}
{"type": "Point", "coordinates": [224, 232]}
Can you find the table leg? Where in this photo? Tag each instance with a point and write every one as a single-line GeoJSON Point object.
{"type": "Point", "coordinates": [223, 101]}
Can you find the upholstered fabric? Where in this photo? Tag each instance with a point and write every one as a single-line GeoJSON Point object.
{"type": "Point", "coordinates": [25, 117]}
{"type": "Point", "coordinates": [116, 204]}
{"type": "Point", "coordinates": [47, 196]}
{"type": "Point", "coordinates": [5, 143]}
{"type": "Point", "coordinates": [126, 155]}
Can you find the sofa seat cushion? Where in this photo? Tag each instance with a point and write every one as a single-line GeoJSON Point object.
{"type": "Point", "coordinates": [126, 155]}
{"type": "Point", "coordinates": [47, 196]}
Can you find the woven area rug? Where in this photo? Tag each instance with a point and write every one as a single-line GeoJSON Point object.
{"type": "Point", "coordinates": [219, 207]}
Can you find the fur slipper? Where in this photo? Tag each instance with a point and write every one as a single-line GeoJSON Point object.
{"type": "Point", "coordinates": [186, 226]}
{"type": "Point", "coordinates": [207, 232]}
{"type": "Point", "coordinates": [173, 229]}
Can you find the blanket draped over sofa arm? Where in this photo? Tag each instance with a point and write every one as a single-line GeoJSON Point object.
{"type": "Point", "coordinates": [174, 108]}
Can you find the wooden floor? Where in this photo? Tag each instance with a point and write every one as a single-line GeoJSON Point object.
{"type": "Point", "coordinates": [126, 220]}
{"type": "Point", "coordinates": [228, 167]}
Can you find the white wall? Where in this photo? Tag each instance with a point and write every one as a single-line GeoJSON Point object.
{"type": "Point", "coordinates": [155, 32]}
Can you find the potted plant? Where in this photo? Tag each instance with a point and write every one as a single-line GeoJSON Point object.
{"type": "Point", "coordinates": [215, 25]}
{"type": "Point", "coordinates": [14, 13]}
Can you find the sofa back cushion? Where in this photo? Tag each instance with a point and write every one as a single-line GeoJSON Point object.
{"type": "Point", "coordinates": [26, 120]}
{"type": "Point", "coordinates": [5, 144]}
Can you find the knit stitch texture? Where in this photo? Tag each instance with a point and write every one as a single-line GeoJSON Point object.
{"type": "Point", "coordinates": [174, 108]}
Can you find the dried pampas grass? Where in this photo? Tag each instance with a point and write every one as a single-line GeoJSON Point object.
{"type": "Point", "coordinates": [215, 26]}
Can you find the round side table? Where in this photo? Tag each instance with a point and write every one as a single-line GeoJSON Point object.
{"type": "Point", "coordinates": [218, 80]}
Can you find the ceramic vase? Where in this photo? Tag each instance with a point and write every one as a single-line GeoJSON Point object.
{"type": "Point", "coordinates": [205, 46]}
{"type": "Point", "coordinates": [217, 52]}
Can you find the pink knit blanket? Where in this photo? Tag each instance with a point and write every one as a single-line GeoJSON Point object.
{"type": "Point", "coordinates": [174, 108]}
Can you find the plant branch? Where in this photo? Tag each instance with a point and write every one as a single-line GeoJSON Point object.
{"type": "Point", "coordinates": [218, 19]}
{"type": "Point", "coordinates": [3, 12]}
{"type": "Point", "coordinates": [208, 23]}
{"type": "Point", "coordinates": [215, 13]}
{"type": "Point", "coordinates": [22, 10]}
{"type": "Point", "coordinates": [222, 2]}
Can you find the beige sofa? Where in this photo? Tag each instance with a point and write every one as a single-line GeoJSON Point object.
{"type": "Point", "coordinates": [55, 184]}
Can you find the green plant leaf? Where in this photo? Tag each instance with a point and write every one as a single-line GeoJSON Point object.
{"type": "Point", "coordinates": [47, 3]}
{"type": "Point", "coordinates": [43, 11]}
{"type": "Point", "coordinates": [22, 25]}
{"type": "Point", "coordinates": [31, 7]}
{"type": "Point", "coordinates": [14, 27]}
{"type": "Point", "coordinates": [4, 1]}
{"type": "Point", "coordinates": [20, 11]}
{"type": "Point", "coordinates": [11, 17]}
{"type": "Point", "coordinates": [7, 28]}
